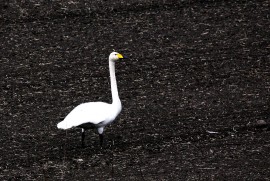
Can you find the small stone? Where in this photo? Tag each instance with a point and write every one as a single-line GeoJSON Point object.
{"type": "Point", "coordinates": [261, 122]}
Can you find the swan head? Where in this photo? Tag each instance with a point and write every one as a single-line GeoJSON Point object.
{"type": "Point", "coordinates": [114, 56]}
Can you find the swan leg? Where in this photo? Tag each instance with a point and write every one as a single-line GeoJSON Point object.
{"type": "Point", "coordinates": [101, 139]}
{"type": "Point", "coordinates": [83, 136]}
{"type": "Point", "coordinates": [100, 132]}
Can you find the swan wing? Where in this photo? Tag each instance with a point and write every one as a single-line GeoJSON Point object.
{"type": "Point", "coordinates": [93, 112]}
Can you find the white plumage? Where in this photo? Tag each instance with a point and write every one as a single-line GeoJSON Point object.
{"type": "Point", "coordinates": [96, 114]}
{"type": "Point", "coordinates": [92, 112]}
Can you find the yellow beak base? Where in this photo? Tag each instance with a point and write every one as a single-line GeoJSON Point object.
{"type": "Point", "coordinates": [119, 55]}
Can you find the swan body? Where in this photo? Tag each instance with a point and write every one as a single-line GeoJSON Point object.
{"type": "Point", "coordinates": [96, 114]}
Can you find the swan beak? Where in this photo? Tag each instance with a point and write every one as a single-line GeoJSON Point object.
{"type": "Point", "coordinates": [119, 56]}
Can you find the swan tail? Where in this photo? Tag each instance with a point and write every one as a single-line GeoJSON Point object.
{"type": "Point", "coordinates": [64, 125]}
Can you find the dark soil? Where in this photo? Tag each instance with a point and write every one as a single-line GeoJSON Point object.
{"type": "Point", "coordinates": [195, 89]}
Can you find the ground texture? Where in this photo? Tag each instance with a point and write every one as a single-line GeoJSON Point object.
{"type": "Point", "coordinates": [195, 89]}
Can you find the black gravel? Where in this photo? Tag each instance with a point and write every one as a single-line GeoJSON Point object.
{"type": "Point", "coordinates": [195, 89]}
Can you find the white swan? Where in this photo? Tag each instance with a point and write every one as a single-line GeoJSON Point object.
{"type": "Point", "coordinates": [96, 114]}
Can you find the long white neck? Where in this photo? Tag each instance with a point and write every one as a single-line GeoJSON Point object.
{"type": "Point", "coordinates": [115, 96]}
